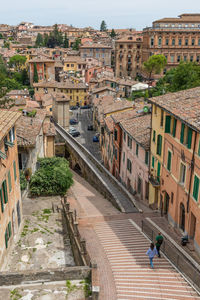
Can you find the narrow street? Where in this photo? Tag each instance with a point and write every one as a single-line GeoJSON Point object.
{"type": "Point", "coordinates": [116, 244]}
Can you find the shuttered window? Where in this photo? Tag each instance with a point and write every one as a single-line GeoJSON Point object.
{"type": "Point", "coordinates": [154, 136]}
{"type": "Point", "coordinates": [9, 229]}
{"type": "Point", "coordinates": [137, 148]}
{"type": "Point", "coordinates": [146, 157]}
{"type": "Point", "coordinates": [182, 133]}
{"type": "Point", "coordinates": [196, 188]}
{"type": "Point", "coordinates": [174, 128]}
{"type": "Point", "coordinates": [189, 138]}
{"type": "Point", "coordinates": [168, 124]}
{"type": "Point", "coordinates": [2, 204]}
{"type": "Point", "coordinates": [5, 193]}
{"type": "Point", "coordinates": [169, 159]}
{"type": "Point", "coordinates": [153, 161]}
{"type": "Point", "coordinates": [14, 169]}
{"type": "Point", "coordinates": [9, 182]}
{"type": "Point", "coordinates": [6, 238]}
{"type": "Point", "coordinates": [158, 171]}
{"type": "Point", "coordinates": [159, 144]}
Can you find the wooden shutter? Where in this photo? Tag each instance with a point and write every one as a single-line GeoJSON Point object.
{"type": "Point", "coordinates": [2, 205]}
{"type": "Point", "coordinates": [169, 160]}
{"type": "Point", "coordinates": [196, 188]}
{"type": "Point", "coordinates": [189, 138]}
{"type": "Point", "coordinates": [9, 182]}
{"type": "Point", "coordinates": [168, 124]}
{"type": "Point", "coordinates": [174, 128]}
{"type": "Point", "coordinates": [15, 172]}
{"type": "Point", "coordinates": [9, 229]}
{"type": "Point", "coordinates": [154, 136]}
{"type": "Point", "coordinates": [182, 133]}
{"type": "Point", "coordinates": [153, 161]}
{"type": "Point", "coordinates": [6, 238]}
{"type": "Point", "coordinates": [159, 144]}
{"type": "Point", "coordinates": [158, 171]}
{"type": "Point", "coordinates": [5, 193]}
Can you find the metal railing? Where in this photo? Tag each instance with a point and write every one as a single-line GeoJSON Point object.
{"type": "Point", "coordinates": [179, 260]}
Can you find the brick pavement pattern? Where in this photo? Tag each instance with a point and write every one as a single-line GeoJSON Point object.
{"type": "Point", "coordinates": [119, 249]}
{"type": "Point", "coordinates": [126, 249]}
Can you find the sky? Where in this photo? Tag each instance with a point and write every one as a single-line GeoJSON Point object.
{"type": "Point", "coordinates": [82, 13]}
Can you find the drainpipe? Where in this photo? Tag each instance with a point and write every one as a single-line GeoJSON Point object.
{"type": "Point", "coordinates": [191, 172]}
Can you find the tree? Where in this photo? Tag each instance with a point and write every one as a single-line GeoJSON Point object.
{"type": "Point", "coordinates": [76, 44]}
{"type": "Point", "coordinates": [52, 178]}
{"type": "Point", "coordinates": [155, 64]}
{"type": "Point", "coordinates": [35, 74]}
{"type": "Point", "coordinates": [113, 34]}
{"type": "Point", "coordinates": [39, 40]}
{"type": "Point", "coordinates": [66, 42]}
{"type": "Point", "coordinates": [103, 26]}
{"type": "Point", "coordinates": [17, 61]}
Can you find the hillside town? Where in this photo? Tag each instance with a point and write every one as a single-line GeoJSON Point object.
{"type": "Point", "coordinates": [99, 157]}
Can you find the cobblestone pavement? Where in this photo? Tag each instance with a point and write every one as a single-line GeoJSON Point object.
{"type": "Point", "coordinates": [116, 244]}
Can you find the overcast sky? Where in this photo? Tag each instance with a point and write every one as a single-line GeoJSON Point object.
{"type": "Point", "coordinates": [81, 13]}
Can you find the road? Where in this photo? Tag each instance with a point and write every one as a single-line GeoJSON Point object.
{"type": "Point", "coordinates": [84, 117]}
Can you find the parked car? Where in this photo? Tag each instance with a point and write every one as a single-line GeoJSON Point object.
{"type": "Point", "coordinates": [90, 127]}
{"type": "Point", "coordinates": [73, 107]}
{"type": "Point", "coordinates": [73, 122]}
{"type": "Point", "coordinates": [96, 138]}
{"type": "Point", "coordinates": [74, 132]}
{"type": "Point", "coordinates": [85, 106]}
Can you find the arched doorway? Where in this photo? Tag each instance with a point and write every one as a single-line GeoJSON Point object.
{"type": "Point", "coordinates": [182, 217]}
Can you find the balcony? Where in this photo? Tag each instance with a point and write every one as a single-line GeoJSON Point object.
{"type": "Point", "coordinates": [155, 181]}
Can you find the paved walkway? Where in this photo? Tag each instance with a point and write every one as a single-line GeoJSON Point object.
{"type": "Point", "coordinates": [115, 243]}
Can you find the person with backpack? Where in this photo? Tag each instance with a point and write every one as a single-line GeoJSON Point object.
{"type": "Point", "coordinates": [151, 252]}
{"type": "Point", "coordinates": [159, 241]}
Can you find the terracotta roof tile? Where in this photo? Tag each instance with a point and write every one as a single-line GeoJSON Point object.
{"type": "Point", "coordinates": [8, 119]}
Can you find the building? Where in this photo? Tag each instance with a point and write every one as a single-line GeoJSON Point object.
{"type": "Point", "coordinates": [10, 195]}
{"type": "Point", "coordinates": [77, 92]}
{"type": "Point", "coordinates": [75, 65]}
{"type": "Point", "coordinates": [175, 159]}
{"type": "Point", "coordinates": [61, 109]}
{"type": "Point", "coordinates": [98, 51]}
{"type": "Point", "coordinates": [128, 56]}
{"type": "Point", "coordinates": [178, 39]}
{"type": "Point", "coordinates": [45, 68]}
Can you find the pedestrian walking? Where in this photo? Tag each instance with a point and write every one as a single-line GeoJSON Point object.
{"type": "Point", "coordinates": [151, 252]}
{"type": "Point", "coordinates": [159, 241]}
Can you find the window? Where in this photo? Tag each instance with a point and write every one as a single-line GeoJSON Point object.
{"type": "Point", "coordinates": [168, 124]}
{"type": "Point", "coordinates": [123, 157]}
{"type": "Point", "coordinates": [179, 42]}
{"type": "Point", "coordinates": [172, 58]}
{"type": "Point", "coordinates": [161, 118]}
{"type": "Point", "coordinates": [178, 58]}
{"type": "Point", "coordinates": [197, 59]}
{"type": "Point", "coordinates": [137, 149]}
{"type": "Point", "coordinates": [166, 42]}
{"type": "Point", "coordinates": [189, 138]}
{"type": "Point", "coordinates": [196, 188]}
{"type": "Point", "coordinates": [18, 213]}
{"type": "Point", "coordinates": [159, 41]}
{"type": "Point", "coordinates": [191, 58]}
{"type": "Point", "coordinates": [129, 165]}
{"type": "Point", "coordinates": [5, 146]}
{"type": "Point", "coordinates": [186, 42]}
{"type": "Point", "coordinates": [182, 173]}
{"type": "Point", "coordinates": [172, 197]}
{"type": "Point", "coordinates": [9, 182]}
{"type": "Point", "coordinates": [12, 135]}
{"type": "Point", "coordinates": [115, 134]}
{"type": "Point", "coordinates": [198, 42]}
{"type": "Point", "coordinates": [185, 57]}
{"type": "Point", "coordinates": [14, 169]}
{"type": "Point", "coordinates": [154, 136]}
{"type": "Point", "coordinates": [159, 144]}
{"type": "Point", "coordinates": [115, 153]}
{"type": "Point", "coordinates": [182, 133]}
{"type": "Point", "coordinates": [193, 42]}
{"type": "Point", "coordinates": [146, 157]}
{"type": "Point", "coordinates": [158, 172]}
{"type": "Point", "coordinates": [152, 41]}
{"type": "Point", "coordinates": [124, 136]}
{"type": "Point", "coordinates": [169, 160]}
{"type": "Point", "coordinates": [153, 162]}
{"type": "Point", "coordinates": [129, 142]}
{"type": "Point", "coordinates": [174, 128]}
{"type": "Point", "coordinates": [2, 202]}
{"type": "Point", "coordinates": [173, 42]}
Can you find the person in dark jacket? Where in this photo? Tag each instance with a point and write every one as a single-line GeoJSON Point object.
{"type": "Point", "coordinates": [159, 241]}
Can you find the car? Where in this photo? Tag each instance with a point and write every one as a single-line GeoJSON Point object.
{"type": "Point", "coordinates": [74, 133]}
{"type": "Point", "coordinates": [71, 128]}
{"type": "Point", "coordinates": [90, 127]}
{"type": "Point", "coordinates": [95, 138]}
{"type": "Point", "coordinates": [73, 107]}
{"type": "Point", "coordinates": [85, 106]}
{"type": "Point", "coordinates": [73, 122]}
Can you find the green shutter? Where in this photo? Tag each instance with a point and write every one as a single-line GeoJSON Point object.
{"type": "Point", "coordinates": [174, 128]}
{"type": "Point", "coordinates": [5, 193]}
{"type": "Point", "coordinates": [189, 138]}
{"type": "Point", "coordinates": [2, 205]}
{"type": "Point", "coordinates": [153, 161]}
{"type": "Point", "coordinates": [154, 136]}
{"type": "Point", "coordinates": [158, 171]}
{"type": "Point", "coordinates": [169, 159]}
{"type": "Point", "coordinates": [9, 229]}
{"type": "Point", "coordinates": [6, 239]}
{"type": "Point", "coordinates": [168, 124]}
{"type": "Point", "coordinates": [182, 133]}
{"type": "Point", "coordinates": [159, 144]}
{"type": "Point", "coordinates": [15, 172]}
{"type": "Point", "coordinates": [9, 182]}
{"type": "Point", "coordinates": [196, 188]}
{"type": "Point", "coordinates": [199, 149]}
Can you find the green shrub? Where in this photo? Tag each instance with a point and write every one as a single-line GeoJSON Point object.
{"type": "Point", "coordinates": [52, 178]}
{"type": "Point", "coordinates": [23, 181]}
